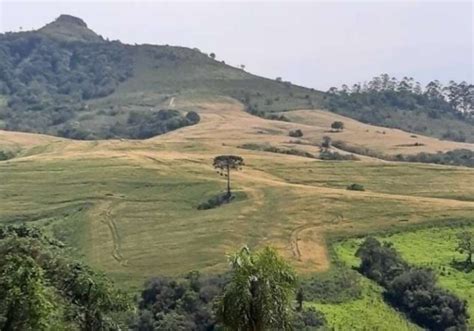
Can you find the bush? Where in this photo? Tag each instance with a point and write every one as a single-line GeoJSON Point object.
{"type": "Point", "coordinates": [296, 133]}
{"type": "Point", "coordinates": [328, 155]}
{"type": "Point", "coordinates": [309, 319]}
{"type": "Point", "coordinates": [337, 125]}
{"type": "Point", "coordinates": [412, 290]}
{"type": "Point", "coordinates": [184, 303]}
{"type": "Point", "coordinates": [6, 155]}
{"type": "Point", "coordinates": [355, 187]}
{"type": "Point", "coordinates": [326, 142]}
{"type": "Point", "coordinates": [335, 286]}
{"type": "Point", "coordinates": [273, 149]}
{"type": "Point", "coordinates": [215, 202]}
{"type": "Point", "coordinates": [193, 117]}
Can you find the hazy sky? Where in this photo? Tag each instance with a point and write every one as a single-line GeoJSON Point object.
{"type": "Point", "coordinates": [316, 44]}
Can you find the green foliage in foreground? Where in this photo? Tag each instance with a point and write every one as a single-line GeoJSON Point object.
{"type": "Point", "coordinates": [184, 303]}
{"type": "Point", "coordinates": [360, 314]}
{"type": "Point", "coordinates": [42, 289]}
{"type": "Point", "coordinates": [413, 290]}
{"type": "Point", "coordinates": [417, 248]}
{"type": "Point", "coordinates": [259, 294]}
{"type": "Point", "coordinates": [337, 285]}
{"type": "Point", "coordinates": [256, 295]}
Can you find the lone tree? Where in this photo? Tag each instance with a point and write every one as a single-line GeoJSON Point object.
{"type": "Point", "coordinates": [326, 142]}
{"type": "Point", "coordinates": [224, 164]}
{"type": "Point", "coordinates": [259, 294]}
{"type": "Point", "coordinates": [337, 125]}
{"type": "Point", "coordinates": [466, 245]}
{"type": "Point", "coordinates": [212, 56]}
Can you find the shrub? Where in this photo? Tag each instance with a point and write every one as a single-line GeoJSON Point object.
{"type": "Point", "coordinates": [413, 290]}
{"type": "Point", "coordinates": [273, 149]}
{"type": "Point", "coordinates": [215, 202]}
{"type": "Point", "coordinates": [296, 133]}
{"type": "Point", "coordinates": [335, 286]}
{"type": "Point", "coordinates": [328, 155]}
{"type": "Point", "coordinates": [326, 142]}
{"type": "Point", "coordinates": [309, 319]}
{"type": "Point", "coordinates": [355, 187]}
{"type": "Point", "coordinates": [337, 125]}
{"type": "Point", "coordinates": [6, 155]}
{"type": "Point", "coordinates": [193, 117]}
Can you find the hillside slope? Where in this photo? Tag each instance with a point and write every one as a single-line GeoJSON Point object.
{"type": "Point", "coordinates": [130, 206]}
{"type": "Point", "coordinates": [54, 81]}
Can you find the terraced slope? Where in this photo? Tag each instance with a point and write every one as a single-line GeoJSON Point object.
{"type": "Point", "coordinates": [129, 207]}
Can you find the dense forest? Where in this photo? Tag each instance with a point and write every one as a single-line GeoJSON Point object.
{"type": "Point", "coordinates": [44, 82]}
{"type": "Point", "coordinates": [442, 111]}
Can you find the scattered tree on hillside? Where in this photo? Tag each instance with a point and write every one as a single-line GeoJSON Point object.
{"type": "Point", "coordinates": [326, 142]}
{"type": "Point", "coordinates": [279, 79]}
{"type": "Point", "coordinates": [212, 56]}
{"type": "Point", "coordinates": [225, 164]}
{"type": "Point", "coordinates": [242, 66]}
{"type": "Point", "coordinates": [259, 294]}
{"type": "Point", "coordinates": [296, 133]}
{"type": "Point", "coordinates": [466, 246]}
{"type": "Point", "coordinates": [337, 125]}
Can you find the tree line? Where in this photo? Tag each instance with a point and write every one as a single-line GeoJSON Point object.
{"type": "Point", "coordinates": [442, 111]}
{"type": "Point", "coordinates": [411, 289]}
{"type": "Point", "coordinates": [459, 96]}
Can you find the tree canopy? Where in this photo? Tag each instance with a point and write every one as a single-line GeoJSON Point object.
{"type": "Point", "coordinates": [259, 294]}
{"type": "Point", "coordinates": [43, 288]}
{"type": "Point", "coordinates": [225, 164]}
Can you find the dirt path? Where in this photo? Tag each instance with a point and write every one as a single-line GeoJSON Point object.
{"type": "Point", "coordinates": [108, 219]}
{"type": "Point", "coordinates": [171, 102]}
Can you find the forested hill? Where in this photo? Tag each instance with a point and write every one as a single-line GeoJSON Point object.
{"type": "Point", "coordinates": [55, 80]}
{"type": "Point", "coordinates": [66, 80]}
{"type": "Point", "coordinates": [446, 112]}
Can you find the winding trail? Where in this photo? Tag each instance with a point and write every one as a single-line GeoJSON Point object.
{"type": "Point", "coordinates": [108, 219]}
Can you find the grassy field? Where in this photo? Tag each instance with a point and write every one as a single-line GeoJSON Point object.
{"type": "Point", "coordinates": [370, 312]}
{"type": "Point", "coordinates": [433, 248]}
{"type": "Point", "coordinates": [129, 207]}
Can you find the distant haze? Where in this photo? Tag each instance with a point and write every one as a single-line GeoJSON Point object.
{"type": "Point", "coordinates": [315, 44]}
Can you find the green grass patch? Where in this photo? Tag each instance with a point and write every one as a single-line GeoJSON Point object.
{"type": "Point", "coordinates": [433, 248]}
{"type": "Point", "coordinates": [370, 312]}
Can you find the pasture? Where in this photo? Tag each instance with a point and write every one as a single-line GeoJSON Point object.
{"type": "Point", "coordinates": [128, 207]}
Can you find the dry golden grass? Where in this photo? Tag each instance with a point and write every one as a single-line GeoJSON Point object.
{"type": "Point", "coordinates": [382, 140]}
{"type": "Point", "coordinates": [142, 220]}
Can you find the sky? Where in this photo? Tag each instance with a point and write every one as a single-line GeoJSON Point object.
{"type": "Point", "coordinates": [317, 44]}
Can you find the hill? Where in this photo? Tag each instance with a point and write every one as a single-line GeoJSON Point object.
{"type": "Point", "coordinates": [65, 80]}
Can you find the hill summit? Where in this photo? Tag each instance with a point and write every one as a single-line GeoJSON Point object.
{"type": "Point", "coordinates": [70, 28]}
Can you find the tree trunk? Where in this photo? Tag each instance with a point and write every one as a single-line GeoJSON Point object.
{"type": "Point", "coordinates": [8, 326]}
